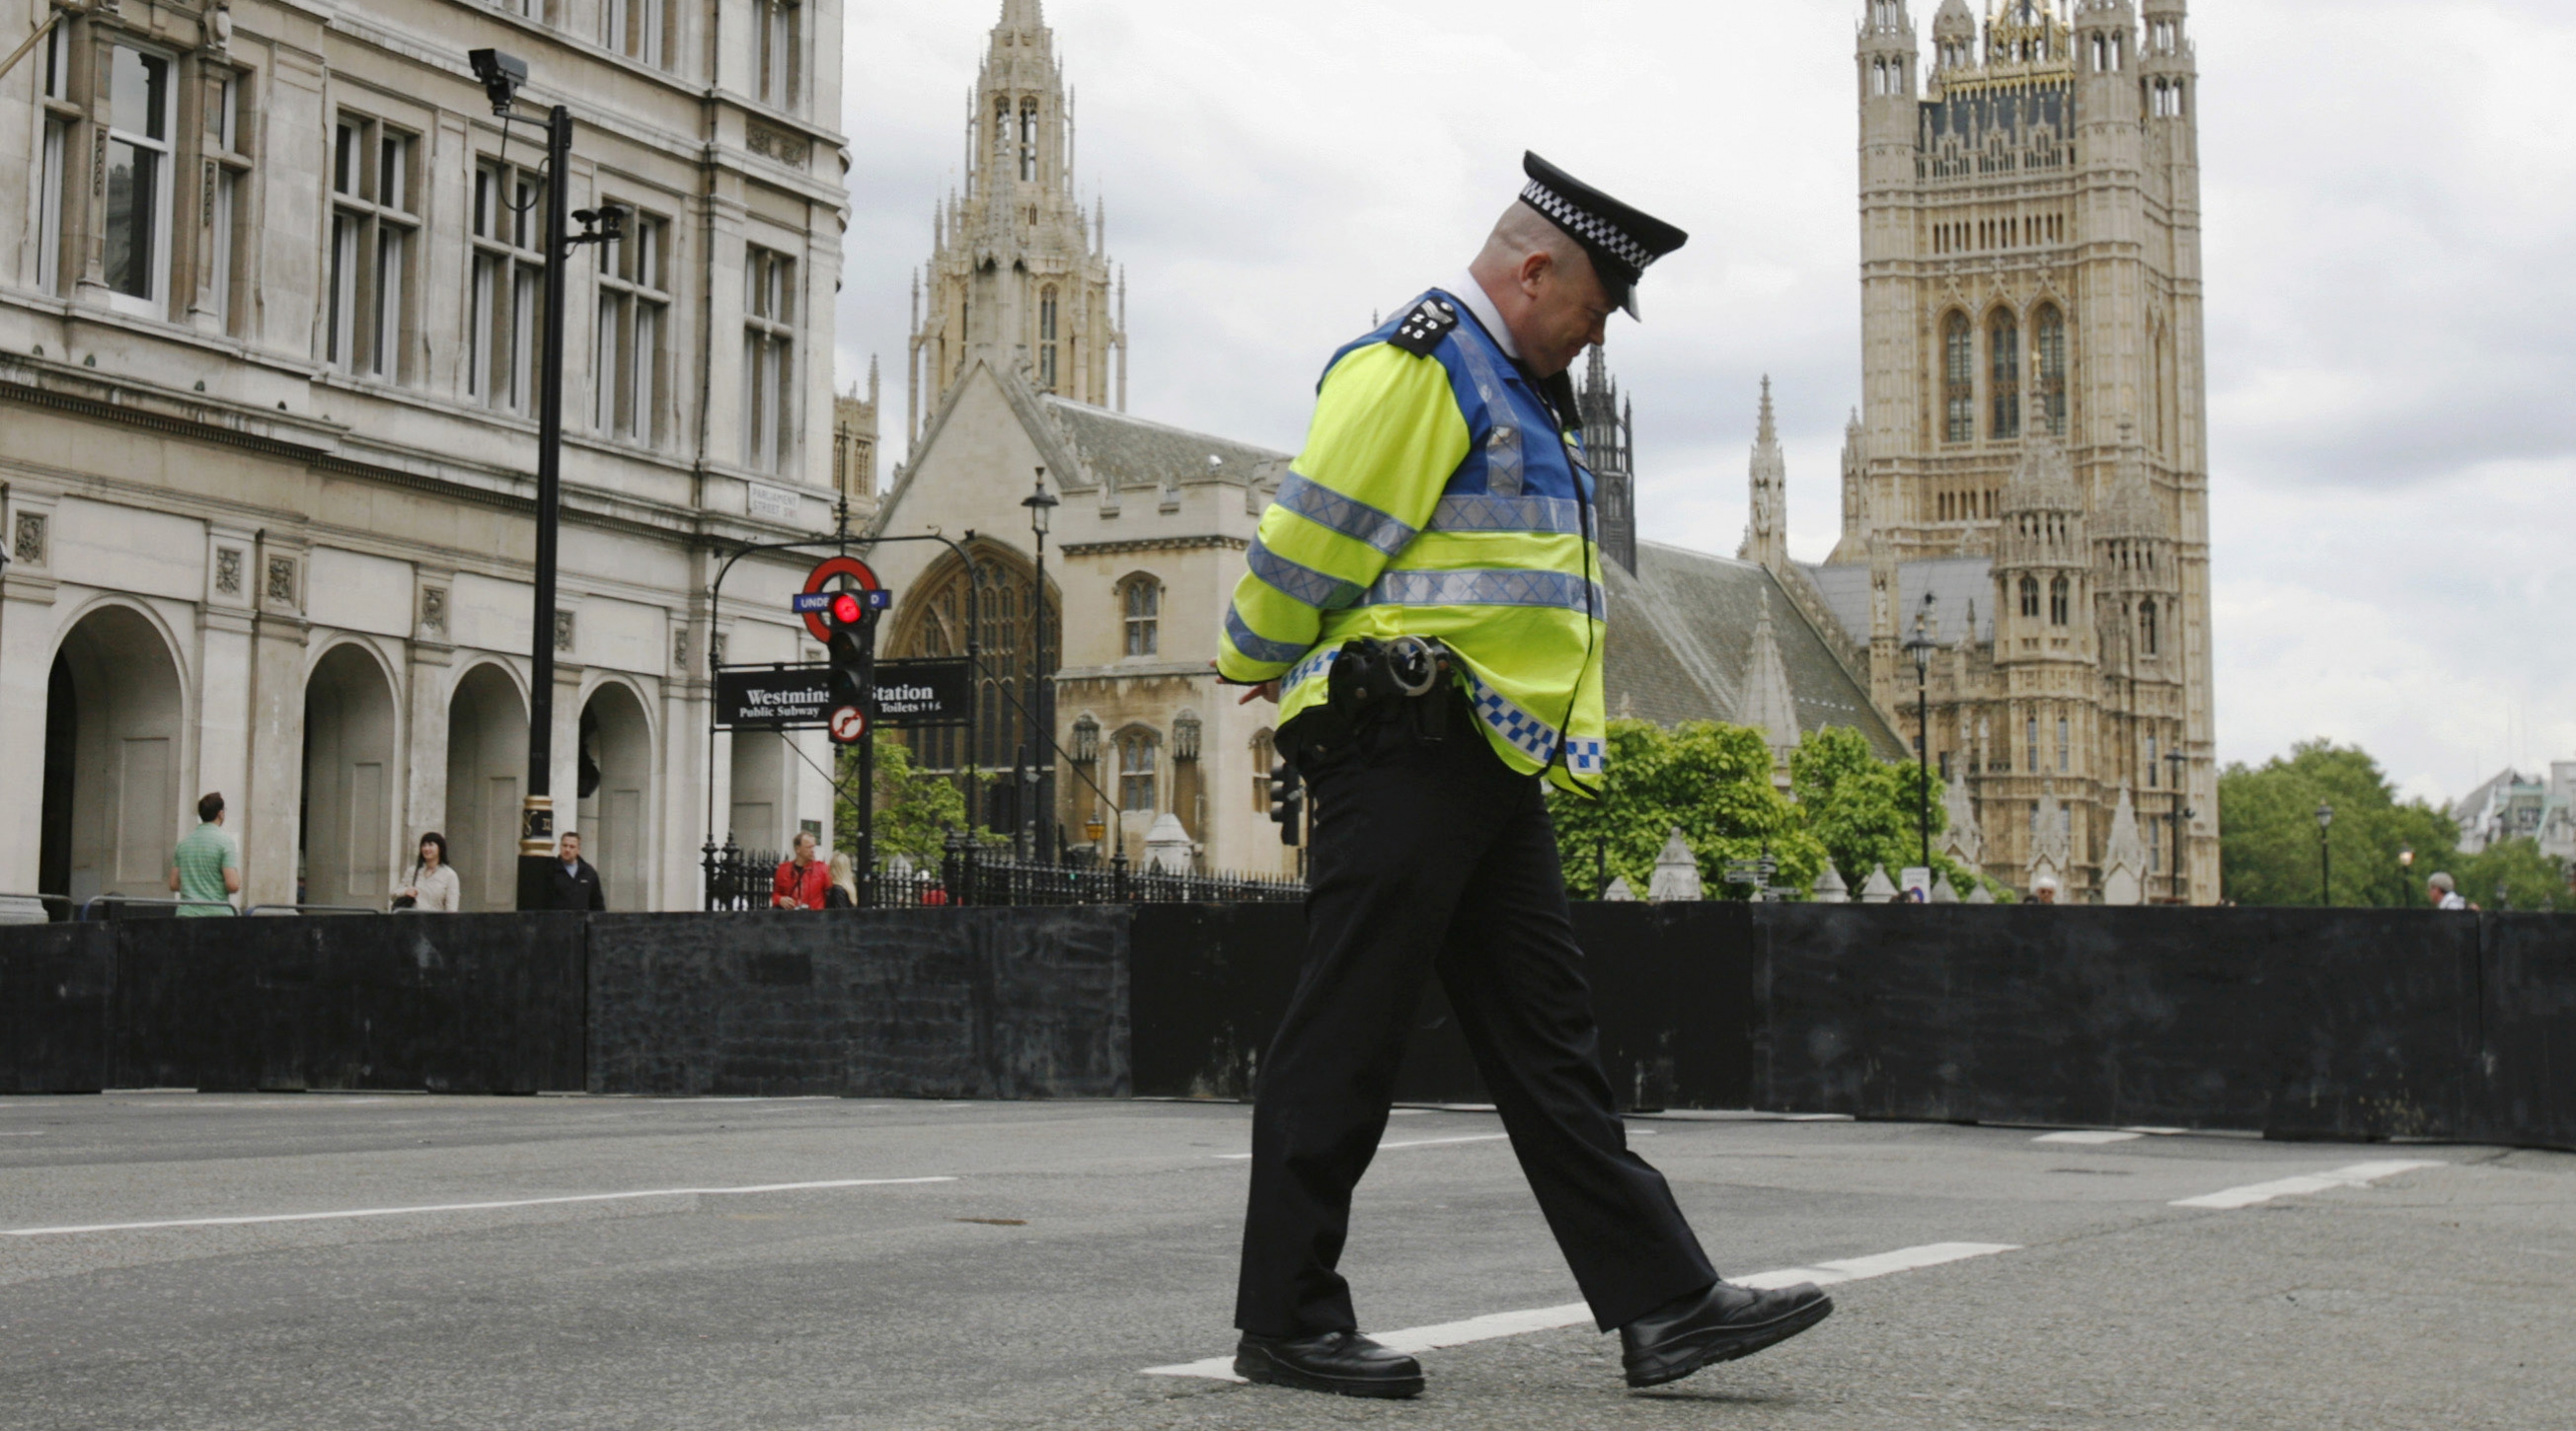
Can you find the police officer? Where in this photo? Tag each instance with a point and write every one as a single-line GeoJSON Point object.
{"type": "Point", "coordinates": [1424, 603]}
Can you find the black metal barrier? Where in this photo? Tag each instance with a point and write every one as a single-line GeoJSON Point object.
{"type": "Point", "coordinates": [2299, 1023]}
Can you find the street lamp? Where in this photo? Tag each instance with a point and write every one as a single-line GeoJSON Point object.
{"type": "Point", "coordinates": [2406, 872]}
{"type": "Point", "coordinates": [1919, 646]}
{"type": "Point", "coordinates": [1040, 815]}
{"type": "Point", "coordinates": [501, 75]}
{"type": "Point", "coordinates": [2325, 856]}
{"type": "Point", "coordinates": [2183, 814]}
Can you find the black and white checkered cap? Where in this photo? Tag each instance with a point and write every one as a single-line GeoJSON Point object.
{"type": "Point", "coordinates": [1623, 241]}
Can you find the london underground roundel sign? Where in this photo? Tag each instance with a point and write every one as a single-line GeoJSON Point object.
{"type": "Point", "coordinates": [825, 572]}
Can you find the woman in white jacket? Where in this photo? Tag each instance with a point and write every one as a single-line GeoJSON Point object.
{"type": "Point", "coordinates": [432, 887]}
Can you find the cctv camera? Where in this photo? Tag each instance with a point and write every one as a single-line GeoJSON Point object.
{"type": "Point", "coordinates": [501, 75]}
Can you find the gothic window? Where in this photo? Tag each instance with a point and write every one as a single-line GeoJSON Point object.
{"type": "Point", "coordinates": [1265, 753]}
{"type": "Point", "coordinates": [2004, 348]}
{"type": "Point", "coordinates": [1959, 379]}
{"type": "Point", "coordinates": [932, 621]}
{"type": "Point", "coordinates": [2030, 732]}
{"type": "Point", "coordinates": [2155, 776]}
{"type": "Point", "coordinates": [2147, 627]}
{"type": "Point", "coordinates": [2048, 355]}
{"type": "Point", "coordinates": [1028, 140]}
{"type": "Point", "coordinates": [1143, 601]}
{"type": "Point", "coordinates": [1002, 127]}
{"type": "Point", "coordinates": [1046, 338]}
{"type": "Point", "coordinates": [2030, 597]}
{"type": "Point", "coordinates": [2065, 747]}
{"type": "Point", "coordinates": [2059, 592]}
{"type": "Point", "coordinates": [1137, 750]}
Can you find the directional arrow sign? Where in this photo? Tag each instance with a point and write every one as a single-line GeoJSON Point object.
{"type": "Point", "coordinates": [847, 724]}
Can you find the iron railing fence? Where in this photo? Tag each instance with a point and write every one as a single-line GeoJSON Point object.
{"type": "Point", "coordinates": [972, 873]}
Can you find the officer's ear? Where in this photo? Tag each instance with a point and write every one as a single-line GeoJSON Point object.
{"type": "Point", "coordinates": [1535, 269]}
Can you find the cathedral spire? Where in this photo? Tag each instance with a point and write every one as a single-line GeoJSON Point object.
{"type": "Point", "coordinates": [1019, 276]}
{"type": "Point", "coordinates": [1766, 530]}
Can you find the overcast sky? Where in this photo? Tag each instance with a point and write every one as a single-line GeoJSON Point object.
{"type": "Point", "coordinates": [2390, 197]}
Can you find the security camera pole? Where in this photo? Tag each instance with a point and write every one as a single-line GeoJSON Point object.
{"type": "Point", "coordinates": [502, 75]}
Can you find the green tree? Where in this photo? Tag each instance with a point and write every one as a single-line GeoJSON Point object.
{"type": "Point", "coordinates": [915, 809]}
{"type": "Point", "coordinates": [2268, 835]}
{"type": "Point", "coordinates": [1712, 782]}
{"type": "Point", "coordinates": [1866, 811]}
{"type": "Point", "coordinates": [2513, 874]}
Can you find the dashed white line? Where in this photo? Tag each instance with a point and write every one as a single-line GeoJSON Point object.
{"type": "Point", "coordinates": [2358, 1175]}
{"type": "Point", "coordinates": [1409, 1143]}
{"type": "Point", "coordinates": [465, 1206]}
{"type": "Point", "coordinates": [1541, 1319]}
{"type": "Point", "coordinates": [2088, 1138]}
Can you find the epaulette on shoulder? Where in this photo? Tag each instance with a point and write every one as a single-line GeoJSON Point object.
{"type": "Point", "coordinates": [1424, 327]}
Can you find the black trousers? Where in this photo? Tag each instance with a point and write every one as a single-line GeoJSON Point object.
{"type": "Point", "coordinates": [1435, 856]}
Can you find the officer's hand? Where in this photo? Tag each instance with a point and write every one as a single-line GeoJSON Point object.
{"type": "Point", "coordinates": [1267, 691]}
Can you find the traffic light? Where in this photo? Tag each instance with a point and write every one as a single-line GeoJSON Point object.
{"type": "Point", "coordinates": [847, 618]}
{"type": "Point", "coordinates": [1287, 801]}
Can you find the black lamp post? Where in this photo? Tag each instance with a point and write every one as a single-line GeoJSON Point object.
{"type": "Point", "coordinates": [2183, 814]}
{"type": "Point", "coordinates": [2406, 873]}
{"type": "Point", "coordinates": [1919, 646]}
{"type": "Point", "coordinates": [501, 75]}
{"type": "Point", "coordinates": [2325, 856]}
{"type": "Point", "coordinates": [1039, 818]}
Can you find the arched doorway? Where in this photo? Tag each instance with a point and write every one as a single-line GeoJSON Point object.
{"type": "Point", "coordinates": [111, 804]}
{"type": "Point", "coordinates": [487, 757]}
{"type": "Point", "coordinates": [931, 621]}
{"type": "Point", "coordinates": [346, 838]}
{"type": "Point", "coordinates": [614, 805]}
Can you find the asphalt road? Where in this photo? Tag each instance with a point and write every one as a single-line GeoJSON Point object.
{"type": "Point", "coordinates": [576, 1263]}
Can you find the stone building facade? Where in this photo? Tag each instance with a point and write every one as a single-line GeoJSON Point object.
{"type": "Point", "coordinates": [268, 344]}
{"type": "Point", "coordinates": [2027, 476]}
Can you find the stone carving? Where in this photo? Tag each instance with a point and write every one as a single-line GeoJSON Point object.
{"type": "Point", "coordinates": [563, 630]}
{"type": "Point", "coordinates": [433, 609]}
{"type": "Point", "coordinates": [1676, 873]}
{"type": "Point", "coordinates": [30, 545]}
{"type": "Point", "coordinates": [786, 149]}
{"type": "Point", "coordinates": [228, 571]}
{"type": "Point", "coordinates": [281, 582]}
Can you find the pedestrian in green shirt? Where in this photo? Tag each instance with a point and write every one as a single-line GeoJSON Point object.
{"type": "Point", "coordinates": [207, 864]}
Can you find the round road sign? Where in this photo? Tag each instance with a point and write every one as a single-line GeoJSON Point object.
{"type": "Point", "coordinates": [848, 724]}
{"type": "Point", "coordinates": [848, 567]}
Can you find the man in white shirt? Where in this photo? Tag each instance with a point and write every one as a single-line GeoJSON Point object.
{"type": "Point", "coordinates": [2445, 893]}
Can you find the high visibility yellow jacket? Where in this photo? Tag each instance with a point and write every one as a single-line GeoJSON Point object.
{"type": "Point", "coordinates": [1437, 496]}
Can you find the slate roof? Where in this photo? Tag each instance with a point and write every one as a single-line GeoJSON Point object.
{"type": "Point", "coordinates": [1954, 582]}
{"type": "Point", "coordinates": [1681, 646]}
{"type": "Point", "coordinates": [1131, 453]}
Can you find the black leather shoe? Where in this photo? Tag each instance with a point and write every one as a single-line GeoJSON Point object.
{"type": "Point", "coordinates": [1344, 1363]}
{"type": "Point", "coordinates": [1720, 1324]}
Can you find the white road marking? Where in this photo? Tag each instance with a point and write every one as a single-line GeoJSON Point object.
{"type": "Point", "coordinates": [2158, 1132]}
{"type": "Point", "coordinates": [1410, 1143]}
{"type": "Point", "coordinates": [1542, 1319]}
{"type": "Point", "coordinates": [2088, 1138]}
{"type": "Point", "coordinates": [2358, 1175]}
{"type": "Point", "coordinates": [35, 1133]}
{"type": "Point", "coordinates": [466, 1206]}
{"type": "Point", "coordinates": [1816, 1118]}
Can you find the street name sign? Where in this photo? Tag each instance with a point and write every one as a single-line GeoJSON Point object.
{"type": "Point", "coordinates": [923, 692]}
{"type": "Point", "coordinates": [773, 697]}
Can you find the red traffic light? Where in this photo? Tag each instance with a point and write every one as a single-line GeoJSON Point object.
{"type": "Point", "coordinates": [847, 609]}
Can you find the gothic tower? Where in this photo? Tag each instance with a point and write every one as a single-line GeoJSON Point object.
{"type": "Point", "coordinates": [1017, 271]}
{"type": "Point", "coordinates": [1609, 449]}
{"type": "Point", "coordinates": [1766, 526]}
{"type": "Point", "coordinates": [2031, 298]}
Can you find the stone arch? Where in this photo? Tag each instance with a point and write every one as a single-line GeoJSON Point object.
{"type": "Point", "coordinates": [932, 621]}
{"type": "Point", "coordinates": [116, 719]}
{"type": "Point", "coordinates": [487, 767]}
{"type": "Point", "coordinates": [345, 837]}
{"type": "Point", "coordinates": [614, 791]}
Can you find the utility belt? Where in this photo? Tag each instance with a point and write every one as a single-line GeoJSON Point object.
{"type": "Point", "coordinates": [1410, 679]}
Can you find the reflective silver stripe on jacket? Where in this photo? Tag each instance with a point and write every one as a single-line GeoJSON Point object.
{"type": "Point", "coordinates": [1304, 584]}
{"type": "Point", "coordinates": [1503, 443]}
{"type": "Point", "coordinates": [1562, 516]}
{"type": "Point", "coordinates": [1489, 588]}
{"type": "Point", "coordinates": [1257, 646]}
{"type": "Point", "coordinates": [1327, 508]}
